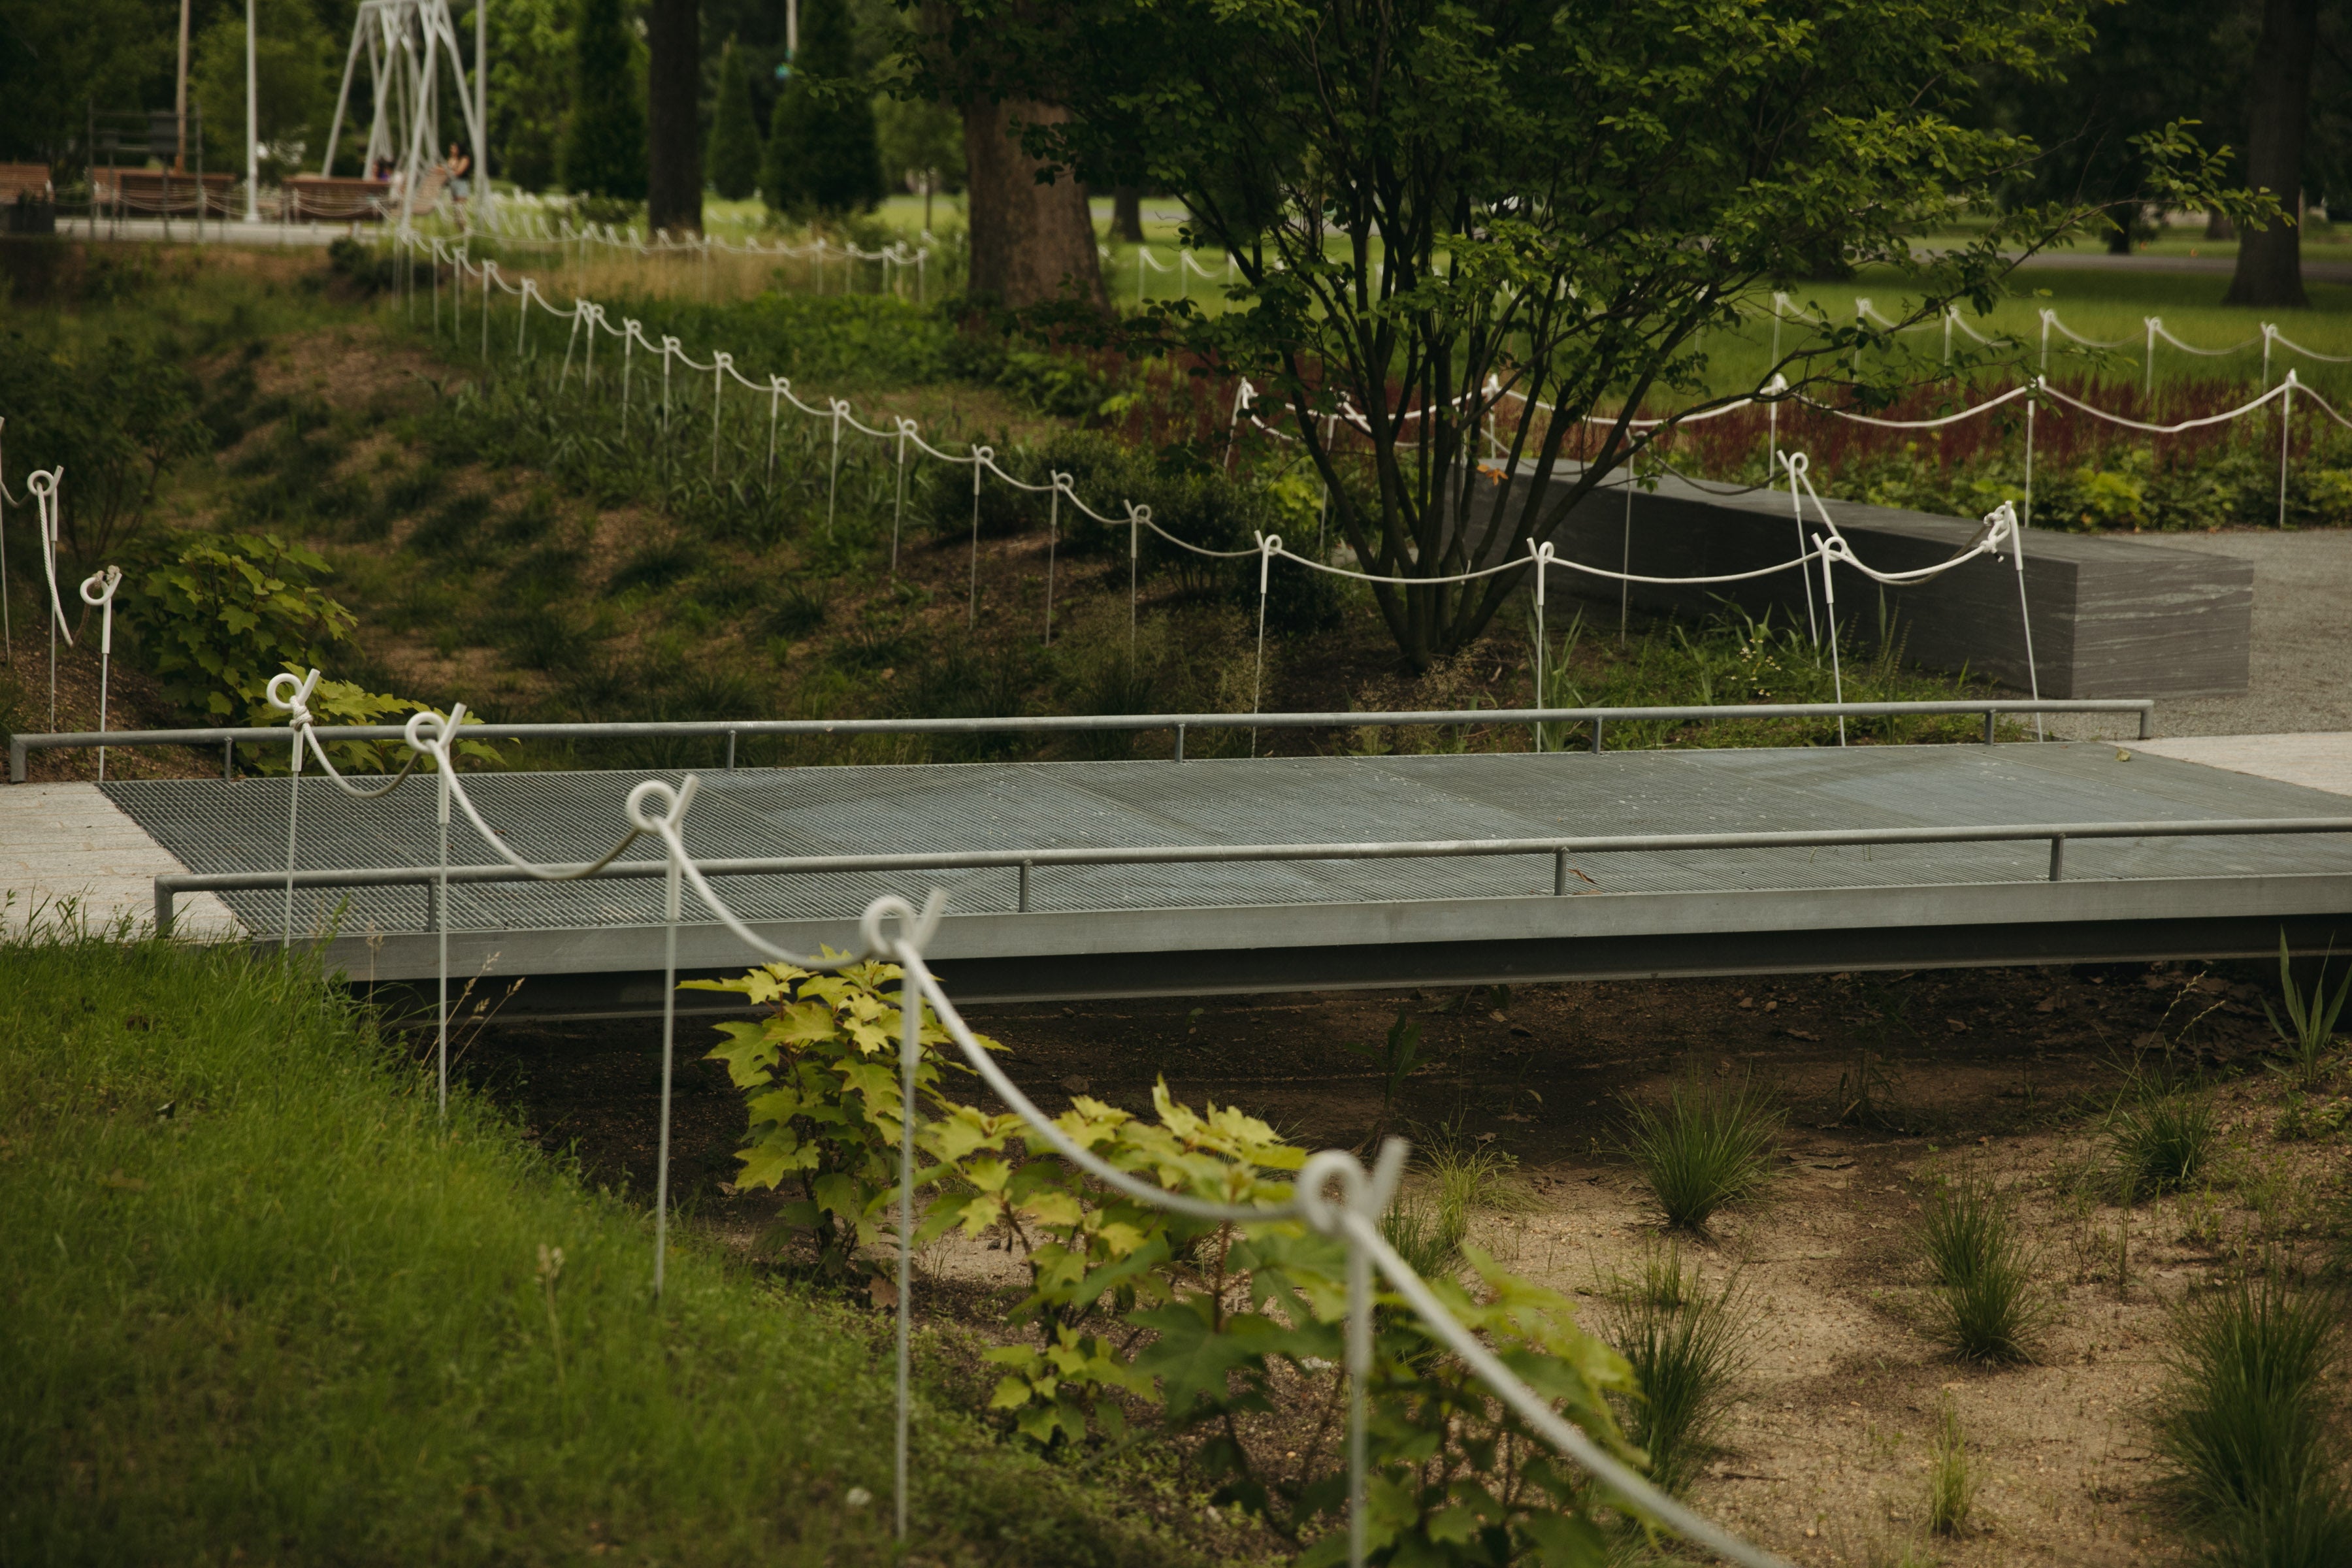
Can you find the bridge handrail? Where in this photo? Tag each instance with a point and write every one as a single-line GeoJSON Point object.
{"type": "Point", "coordinates": [169, 886]}
{"type": "Point", "coordinates": [19, 746]}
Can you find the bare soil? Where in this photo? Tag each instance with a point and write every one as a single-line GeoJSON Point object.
{"type": "Point", "coordinates": [2003, 1073]}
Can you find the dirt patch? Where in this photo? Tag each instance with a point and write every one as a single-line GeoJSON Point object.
{"type": "Point", "coordinates": [2001, 1073]}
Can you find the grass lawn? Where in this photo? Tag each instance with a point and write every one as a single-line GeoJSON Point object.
{"type": "Point", "coordinates": [264, 1306]}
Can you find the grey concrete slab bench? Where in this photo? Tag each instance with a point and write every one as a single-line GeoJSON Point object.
{"type": "Point", "coordinates": [2112, 616]}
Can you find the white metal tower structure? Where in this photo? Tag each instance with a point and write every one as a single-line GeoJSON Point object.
{"type": "Point", "coordinates": [407, 44]}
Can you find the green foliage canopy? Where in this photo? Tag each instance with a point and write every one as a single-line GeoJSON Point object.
{"type": "Point", "coordinates": [604, 140]}
{"type": "Point", "coordinates": [822, 152]}
{"type": "Point", "coordinates": [1563, 197]}
{"type": "Point", "coordinates": [732, 163]}
{"type": "Point", "coordinates": [115, 420]}
{"type": "Point", "coordinates": [295, 86]}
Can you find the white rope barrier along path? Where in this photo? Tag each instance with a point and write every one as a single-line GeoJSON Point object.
{"type": "Point", "coordinates": [1335, 1194]}
{"type": "Point", "coordinates": [904, 439]}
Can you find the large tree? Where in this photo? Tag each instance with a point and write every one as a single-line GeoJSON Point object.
{"type": "Point", "coordinates": [1033, 237]}
{"type": "Point", "coordinates": [2150, 62]}
{"type": "Point", "coordinates": [2278, 117]}
{"type": "Point", "coordinates": [672, 117]}
{"type": "Point", "coordinates": [1564, 196]}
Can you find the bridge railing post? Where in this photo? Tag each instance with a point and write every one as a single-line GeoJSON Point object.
{"type": "Point", "coordinates": [1180, 742]}
{"type": "Point", "coordinates": [2057, 857]}
{"type": "Point", "coordinates": [1596, 734]}
{"type": "Point", "coordinates": [15, 760]}
{"type": "Point", "coordinates": [1989, 717]}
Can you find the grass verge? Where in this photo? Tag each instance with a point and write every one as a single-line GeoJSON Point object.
{"type": "Point", "coordinates": [264, 1304]}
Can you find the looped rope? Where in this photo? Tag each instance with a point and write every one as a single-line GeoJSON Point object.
{"type": "Point", "coordinates": [44, 483]}
{"type": "Point", "coordinates": [106, 583]}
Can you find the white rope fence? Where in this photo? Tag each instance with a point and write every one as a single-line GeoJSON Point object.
{"type": "Point", "coordinates": [1335, 1194]}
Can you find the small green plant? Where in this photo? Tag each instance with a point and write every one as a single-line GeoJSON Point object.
{"type": "Point", "coordinates": [2312, 1038]}
{"type": "Point", "coordinates": [1709, 1145]}
{"type": "Point", "coordinates": [225, 614]}
{"type": "Point", "coordinates": [2161, 1133]}
{"type": "Point", "coordinates": [2252, 1426]}
{"type": "Point", "coordinates": [1686, 1346]}
{"type": "Point", "coordinates": [1951, 1486]}
{"type": "Point", "coordinates": [1395, 1057]}
{"type": "Point", "coordinates": [1986, 1301]}
{"type": "Point", "coordinates": [1427, 1234]}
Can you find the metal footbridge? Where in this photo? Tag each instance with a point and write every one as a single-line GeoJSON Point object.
{"type": "Point", "coordinates": [1109, 878]}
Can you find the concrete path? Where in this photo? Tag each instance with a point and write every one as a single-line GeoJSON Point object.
{"type": "Point", "coordinates": [2315, 762]}
{"type": "Point", "coordinates": [2302, 655]}
{"type": "Point", "coordinates": [67, 846]}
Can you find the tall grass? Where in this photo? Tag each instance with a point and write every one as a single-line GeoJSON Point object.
{"type": "Point", "coordinates": [1687, 1346]}
{"type": "Point", "coordinates": [263, 1304]}
{"type": "Point", "coordinates": [2253, 1425]}
{"type": "Point", "coordinates": [1709, 1145]}
{"type": "Point", "coordinates": [1951, 1485]}
{"type": "Point", "coordinates": [1987, 1303]}
{"type": "Point", "coordinates": [2161, 1133]}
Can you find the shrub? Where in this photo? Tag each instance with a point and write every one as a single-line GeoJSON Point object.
{"type": "Point", "coordinates": [227, 612]}
{"type": "Point", "coordinates": [2162, 1134]}
{"type": "Point", "coordinates": [1708, 1147]}
{"type": "Point", "coordinates": [117, 418]}
{"type": "Point", "coordinates": [1686, 1347]}
{"type": "Point", "coordinates": [1988, 1304]}
{"type": "Point", "coordinates": [1132, 1307]}
{"type": "Point", "coordinates": [2250, 1424]}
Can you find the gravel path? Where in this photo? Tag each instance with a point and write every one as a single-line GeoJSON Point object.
{"type": "Point", "coordinates": [2302, 665]}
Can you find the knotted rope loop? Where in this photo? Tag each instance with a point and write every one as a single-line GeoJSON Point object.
{"type": "Point", "coordinates": [915, 928]}
{"type": "Point", "coordinates": [428, 732]}
{"type": "Point", "coordinates": [721, 360]}
{"type": "Point", "coordinates": [104, 583]}
{"type": "Point", "coordinates": [1362, 1192]}
{"type": "Point", "coordinates": [670, 346]}
{"type": "Point", "coordinates": [295, 703]}
{"type": "Point", "coordinates": [673, 803]}
{"type": "Point", "coordinates": [1269, 545]}
{"type": "Point", "coordinates": [1542, 557]}
{"type": "Point", "coordinates": [1062, 483]}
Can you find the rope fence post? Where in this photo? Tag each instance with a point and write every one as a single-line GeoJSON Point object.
{"type": "Point", "coordinates": [899, 501]}
{"type": "Point", "coordinates": [2286, 417]}
{"type": "Point", "coordinates": [2148, 365]}
{"type": "Point", "coordinates": [628, 366]}
{"type": "Point", "coordinates": [2031, 400]}
{"type": "Point", "coordinates": [672, 905]}
{"type": "Point", "coordinates": [1829, 609]}
{"type": "Point", "coordinates": [720, 364]}
{"type": "Point", "coordinates": [295, 705]}
{"type": "Point", "coordinates": [1541, 555]}
{"type": "Point", "coordinates": [832, 477]}
{"type": "Point", "coordinates": [1268, 544]}
{"type": "Point", "coordinates": [2008, 515]}
{"type": "Point", "coordinates": [1135, 516]}
{"type": "Point", "coordinates": [775, 395]}
{"type": "Point", "coordinates": [104, 583]}
{"type": "Point", "coordinates": [1053, 541]}
{"type": "Point", "coordinates": [981, 457]}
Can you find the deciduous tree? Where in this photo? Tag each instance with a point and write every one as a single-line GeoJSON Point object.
{"type": "Point", "coordinates": [1420, 195]}
{"type": "Point", "coordinates": [673, 120]}
{"type": "Point", "coordinates": [821, 154]}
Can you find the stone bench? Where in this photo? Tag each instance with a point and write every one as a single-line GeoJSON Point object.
{"type": "Point", "coordinates": [2112, 616]}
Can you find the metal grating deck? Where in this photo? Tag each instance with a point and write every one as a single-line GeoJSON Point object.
{"type": "Point", "coordinates": [212, 826]}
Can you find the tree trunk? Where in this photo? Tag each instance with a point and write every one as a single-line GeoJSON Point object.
{"type": "Point", "coordinates": [672, 99]}
{"type": "Point", "coordinates": [1029, 241]}
{"type": "Point", "coordinates": [2270, 260]}
{"type": "Point", "coordinates": [1127, 213]}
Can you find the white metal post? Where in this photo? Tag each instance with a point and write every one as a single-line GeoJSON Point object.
{"type": "Point", "coordinates": [252, 125]}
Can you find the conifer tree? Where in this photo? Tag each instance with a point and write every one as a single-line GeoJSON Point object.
{"type": "Point", "coordinates": [733, 161]}
{"type": "Point", "coordinates": [604, 145]}
{"type": "Point", "coordinates": [822, 152]}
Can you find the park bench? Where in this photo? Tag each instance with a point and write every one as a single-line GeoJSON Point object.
{"type": "Point", "coordinates": [337, 198]}
{"type": "Point", "coordinates": [161, 190]}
